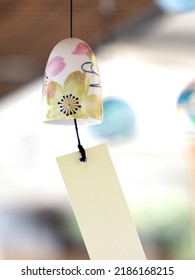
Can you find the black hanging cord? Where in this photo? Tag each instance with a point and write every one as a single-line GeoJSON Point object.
{"type": "Point", "coordinates": [71, 18]}
{"type": "Point", "coordinates": [80, 147]}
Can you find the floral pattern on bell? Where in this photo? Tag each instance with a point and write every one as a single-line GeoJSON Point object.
{"type": "Point", "coordinates": [53, 68]}
{"type": "Point", "coordinates": [72, 100]}
{"type": "Point", "coordinates": [69, 104]}
{"type": "Point", "coordinates": [72, 88]}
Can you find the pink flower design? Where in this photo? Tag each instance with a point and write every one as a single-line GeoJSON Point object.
{"type": "Point", "coordinates": [53, 68]}
{"type": "Point", "coordinates": [83, 48]}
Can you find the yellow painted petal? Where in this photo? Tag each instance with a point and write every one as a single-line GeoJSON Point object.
{"type": "Point", "coordinates": [54, 114]}
{"type": "Point", "coordinates": [79, 115]}
{"type": "Point", "coordinates": [53, 93]}
{"type": "Point", "coordinates": [77, 84]}
{"type": "Point", "coordinates": [94, 106]}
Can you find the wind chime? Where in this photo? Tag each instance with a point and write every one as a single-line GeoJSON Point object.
{"type": "Point", "coordinates": [72, 95]}
{"type": "Point", "coordinates": [72, 90]}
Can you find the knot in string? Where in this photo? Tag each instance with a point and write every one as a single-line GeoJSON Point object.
{"type": "Point", "coordinates": [83, 154]}
{"type": "Point", "coordinates": [81, 149]}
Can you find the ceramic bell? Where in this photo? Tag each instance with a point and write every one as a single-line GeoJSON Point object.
{"type": "Point", "coordinates": [71, 88]}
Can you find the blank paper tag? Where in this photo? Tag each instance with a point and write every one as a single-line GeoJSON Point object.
{"type": "Point", "coordinates": [99, 206]}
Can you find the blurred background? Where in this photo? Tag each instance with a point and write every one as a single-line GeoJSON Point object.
{"type": "Point", "coordinates": [145, 50]}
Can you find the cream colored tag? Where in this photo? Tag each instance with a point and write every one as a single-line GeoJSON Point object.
{"type": "Point", "coordinates": [99, 206]}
